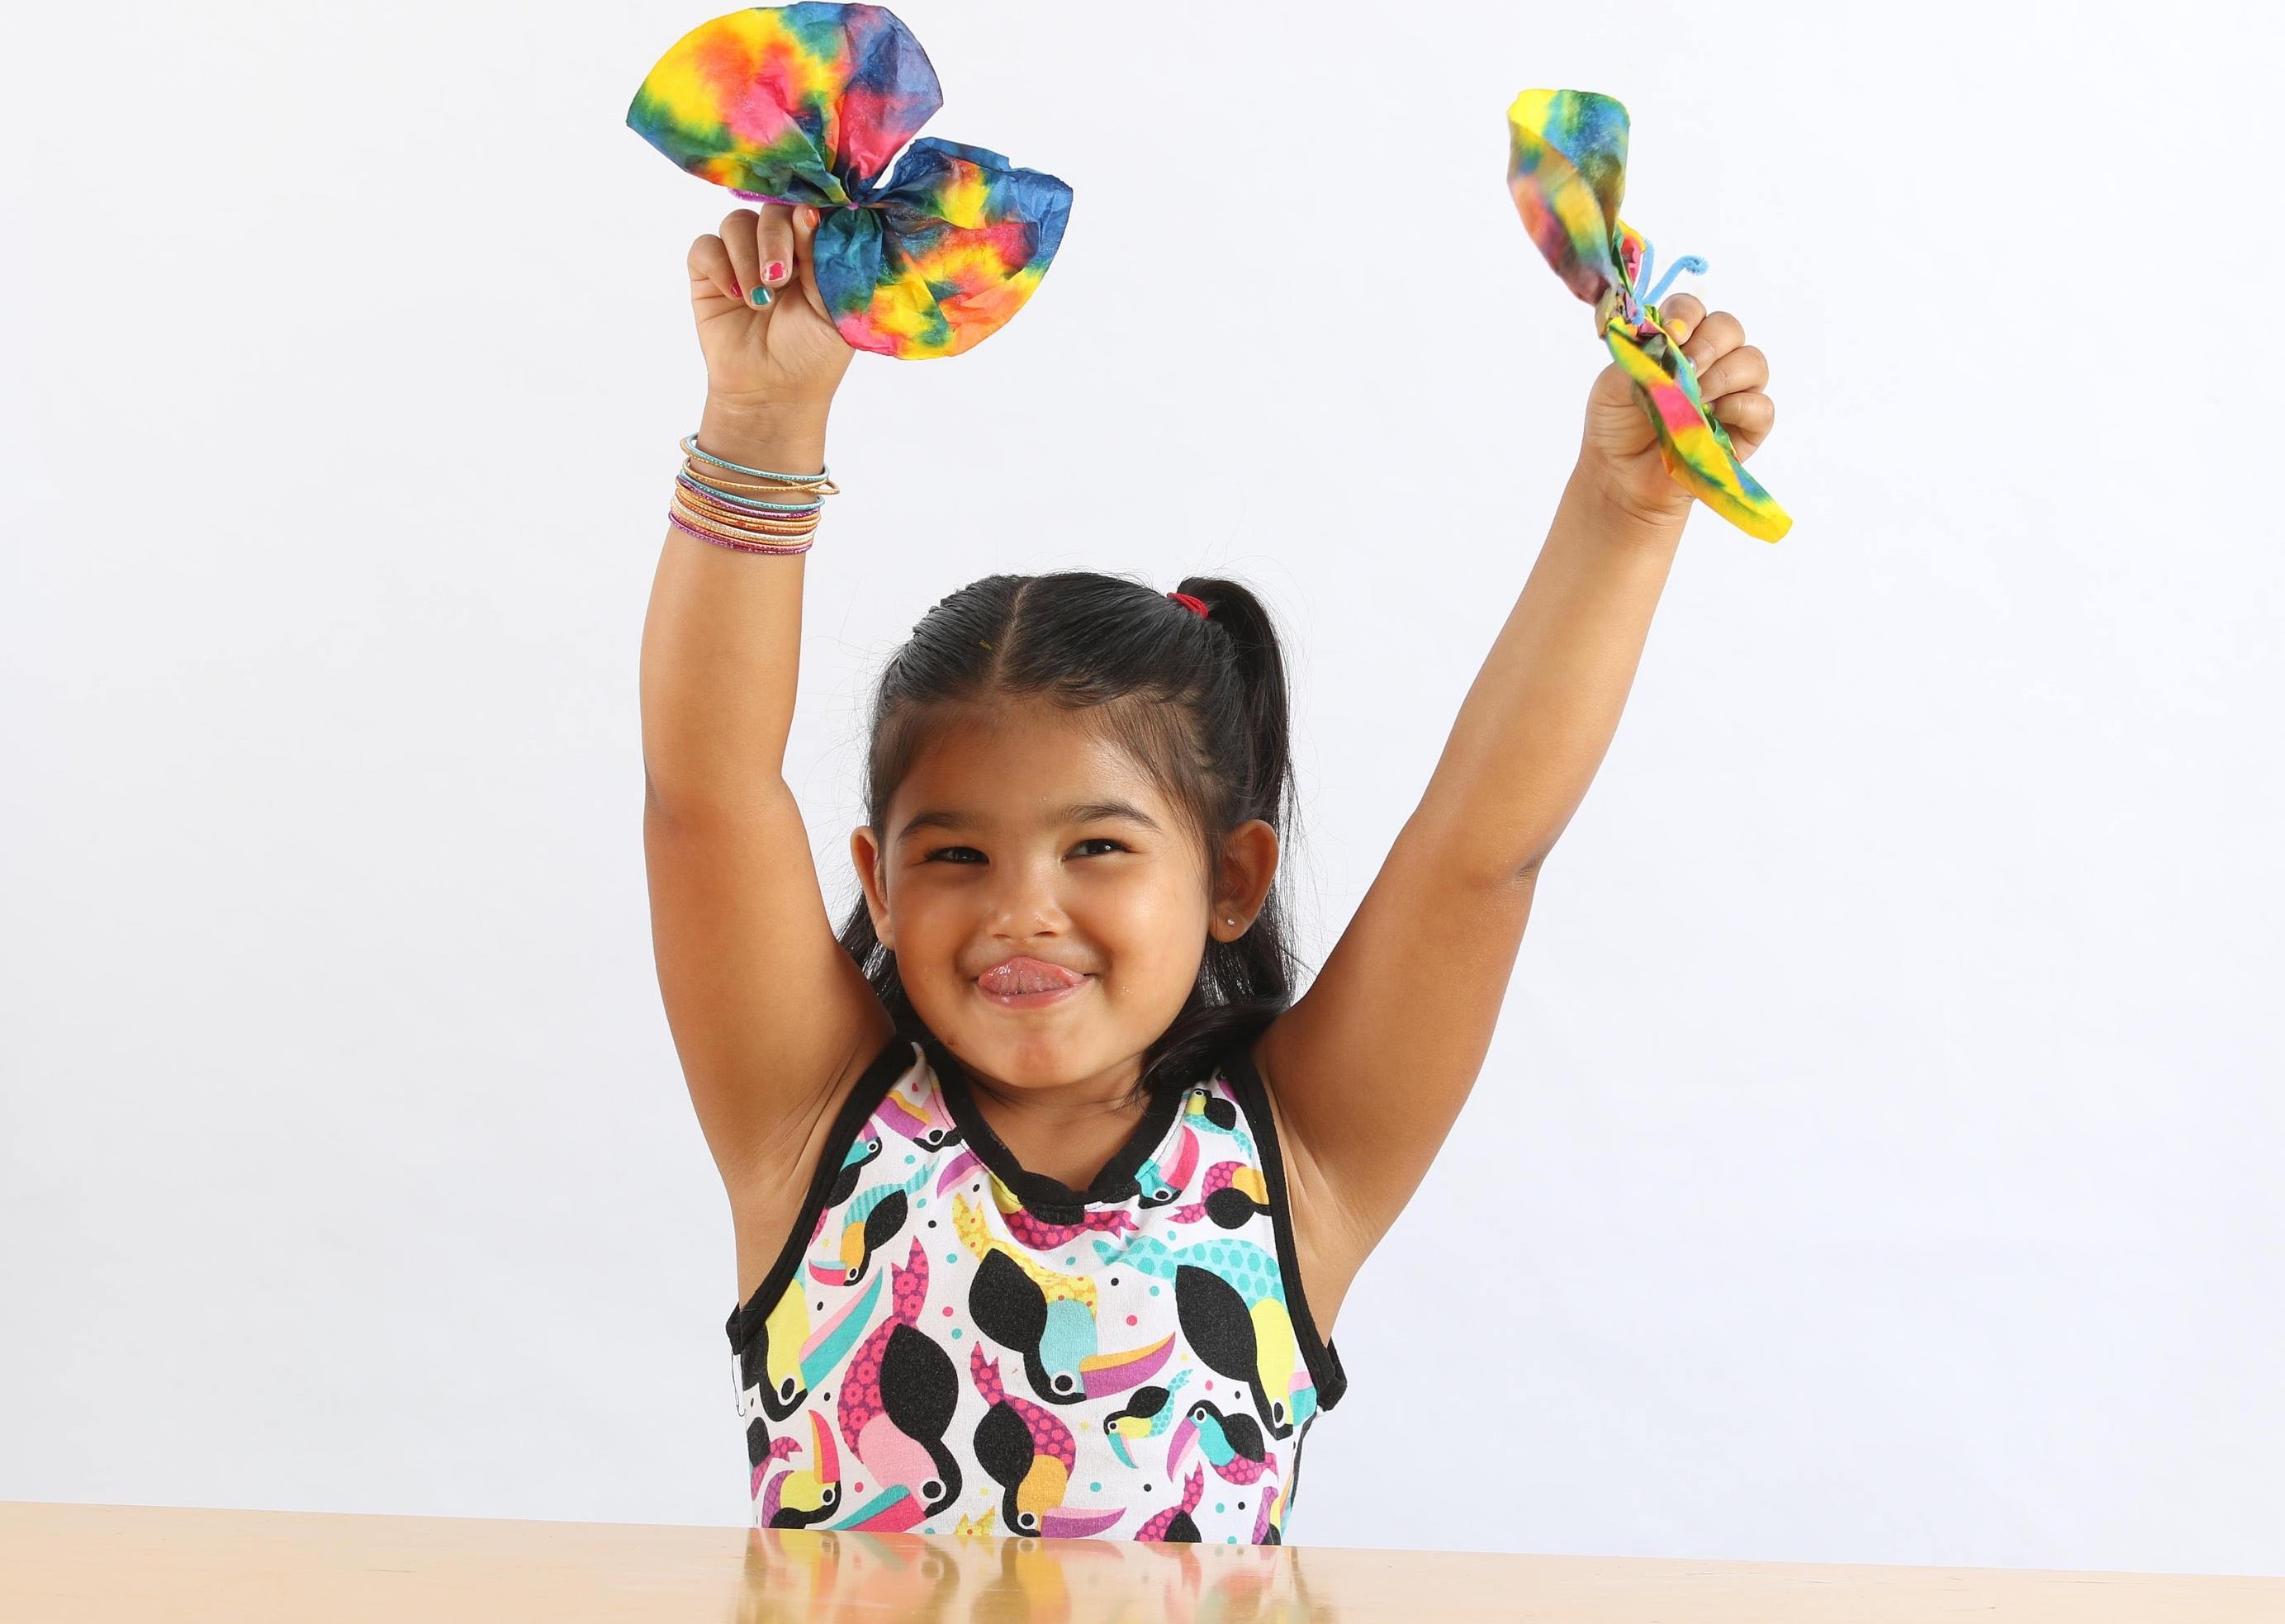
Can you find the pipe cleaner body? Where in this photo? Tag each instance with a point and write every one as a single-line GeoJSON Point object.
{"type": "Point", "coordinates": [1567, 172]}
{"type": "Point", "coordinates": [806, 104]}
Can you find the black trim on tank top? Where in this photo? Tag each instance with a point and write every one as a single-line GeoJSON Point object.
{"type": "Point", "coordinates": [1046, 1198]}
{"type": "Point", "coordinates": [1323, 1360]}
{"type": "Point", "coordinates": [898, 1057]}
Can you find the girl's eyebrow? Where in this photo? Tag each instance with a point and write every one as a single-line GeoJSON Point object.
{"type": "Point", "coordinates": [1084, 812]}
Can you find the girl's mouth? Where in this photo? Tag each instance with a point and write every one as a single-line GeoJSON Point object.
{"type": "Point", "coordinates": [1023, 983]}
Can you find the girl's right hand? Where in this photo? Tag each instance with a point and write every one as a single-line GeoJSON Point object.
{"type": "Point", "coordinates": [785, 353]}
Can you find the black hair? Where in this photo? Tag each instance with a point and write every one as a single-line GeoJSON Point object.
{"type": "Point", "coordinates": [1198, 702]}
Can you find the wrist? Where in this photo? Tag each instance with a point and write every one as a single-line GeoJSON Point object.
{"type": "Point", "coordinates": [783, 437]}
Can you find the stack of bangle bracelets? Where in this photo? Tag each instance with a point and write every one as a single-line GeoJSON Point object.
{"type": "Point", "coordinates": [710, 509]}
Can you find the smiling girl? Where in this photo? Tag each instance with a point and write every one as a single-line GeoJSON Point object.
{"type": "Point", "coordinates": [1048, 1189]}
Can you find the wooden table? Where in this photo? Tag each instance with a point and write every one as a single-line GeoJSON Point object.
{"type": "Point", "coordinates": [66, 1564]}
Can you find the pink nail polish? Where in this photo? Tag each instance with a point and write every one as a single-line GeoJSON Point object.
{"type": "Point", "coordinates": [775, 272]}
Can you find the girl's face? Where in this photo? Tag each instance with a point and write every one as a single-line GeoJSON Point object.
{"type": "Point", "coordinates": [1021, 833]}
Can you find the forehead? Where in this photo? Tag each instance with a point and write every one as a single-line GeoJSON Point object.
{"type": "Point", "coordinates": [1023, 762]}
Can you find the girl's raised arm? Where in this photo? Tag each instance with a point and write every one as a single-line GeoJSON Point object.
{"type": "Point", "coordinates": [768, 1013]}
{"type": "Point", "coordinates": [1370, 1066]}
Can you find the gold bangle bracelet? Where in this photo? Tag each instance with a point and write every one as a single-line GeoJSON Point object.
{"type": "Point", "coordinates": [725, 525]}
{"type": "Point", "coordinates": [822, 485]}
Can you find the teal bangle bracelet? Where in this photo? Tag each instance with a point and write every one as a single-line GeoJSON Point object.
{"type": "Point", "coordinates": [731, 498]}
{"type": "Point", "coordinates": [690, 445]}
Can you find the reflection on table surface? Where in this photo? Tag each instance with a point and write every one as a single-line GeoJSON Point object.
{"type": "Point", "coordinates": [63, 1564]}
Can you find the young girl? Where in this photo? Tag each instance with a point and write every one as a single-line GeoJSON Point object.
{"type": "Point", "coordinates": [1046, 1189]}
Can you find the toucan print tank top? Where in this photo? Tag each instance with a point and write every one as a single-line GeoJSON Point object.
{"type": "Point", "coordinates": [952, 1344]}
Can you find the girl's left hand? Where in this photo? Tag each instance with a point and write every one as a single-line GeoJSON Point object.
{"type": "Point", "coordinates": [1619, 450]}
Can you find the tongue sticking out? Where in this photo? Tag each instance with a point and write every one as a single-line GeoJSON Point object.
{"type": "Point", "coordinates": [1018, 975]}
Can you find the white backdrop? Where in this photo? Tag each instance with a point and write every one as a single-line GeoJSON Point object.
{"type": "Point", "coordinates": [1883, 1132]}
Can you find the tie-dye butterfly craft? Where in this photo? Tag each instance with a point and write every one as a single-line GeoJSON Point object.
{"type": "Point", "coordinates": [805, 105]}
{"type": "Point", "coordinates": [1567, 172]}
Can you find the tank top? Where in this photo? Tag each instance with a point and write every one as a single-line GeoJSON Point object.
{"type": "Point", "coordinates": [950, 1343]}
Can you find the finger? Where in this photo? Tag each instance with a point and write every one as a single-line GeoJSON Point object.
{"type": "Point", "coordinates": [774, 246]}
{"type": "Point", "coordinates": [711, 273]}
{"type": "Point", "coordinates": [1681, 315]}
{"type": "Point", "coordinates": [738, 228]}
{"type": "Point", "coordinates": [1711, 338]}
{"type": "Point", "coordinates": [1742, 368]}
{"type": "Point", "coordinates": [1746, 416]}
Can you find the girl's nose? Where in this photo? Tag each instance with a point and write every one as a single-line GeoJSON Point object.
{"type": "Point", "coordinates": [1025, 900]}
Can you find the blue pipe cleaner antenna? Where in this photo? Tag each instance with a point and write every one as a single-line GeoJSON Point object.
{"type": "Point", "coordinates": [1688, 262]}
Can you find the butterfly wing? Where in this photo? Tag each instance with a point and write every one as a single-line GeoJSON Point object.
{"type": "Point", "coordinates": [1567, 172]}
{"type": "Point", "coordinates": [795, 103]}
{"type": "Point", "coordinates": [951, 250]}
{"type": "Point", "coordinates": [808, 103]}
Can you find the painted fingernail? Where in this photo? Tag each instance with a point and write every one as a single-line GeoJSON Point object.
{"type": "Point", "coordinates": [809, 218]}
{"type": "Point", "coordinates": [760, 295]}
{"type": "Point", "coordinates": [775, 272]}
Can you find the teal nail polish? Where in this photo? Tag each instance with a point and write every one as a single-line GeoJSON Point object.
{"type": "Point", "coordinates": [760, 295]}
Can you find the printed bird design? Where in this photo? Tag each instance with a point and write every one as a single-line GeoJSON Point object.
{"type": "Point", "coordinates": [869, 1223]}
{"type": "Point", "coordinates": [957, 1169]}
{"type": "Point", "coordinates": [1029, 1454]}
{"type": "Point", "coordinates": [1048, 1318]}
{"type": "Point", "coordinates": [1232, 1194]}
{"type": "Point", "coordinates": [896, 1402]}
{"type": "Point", "coordinates": [1230, 1302]}
{"type": "Point", "coordinates": [967, 1223]}
{"type": "Point", "coordinates": [1269, 1522]}
{"type": "Point", "coordinates": [918, 1113]}
{"type": "Point", "coordinates": [1149, 1413]}
{"type": "Point", "coordinates": [1174, 1522]}
{"type": "Point", "coordinates": [1041, 1236]}
{"type": "Point", "coordinates": [1248, 1340]}
{"type": "Point", "coordinates": [797, 1498]}
{"type": "Point", "coordinates": [1249, 1267]}
{"type": "Point", "coordinates": [761, 1450]}
{"type": "Point", "coordinates": [861, 1156]}
{"type": "Point", "coordinates": [1159, 1184]}
{"type": "Point", "coordinates": [1209, 1113]}
{"type": "Point", "coordinates": [1231, 1444]}
{"type": "Point", "coordinates": [793, 1358]}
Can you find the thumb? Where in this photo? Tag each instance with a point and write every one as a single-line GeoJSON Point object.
{"type": "Point", "coordinates": [1613, 391]}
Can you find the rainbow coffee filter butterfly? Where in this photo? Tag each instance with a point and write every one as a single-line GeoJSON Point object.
{"type": "Point", "coordinates": [1567, 172]}
{"type": "Point", "coordinates": [807, 104]}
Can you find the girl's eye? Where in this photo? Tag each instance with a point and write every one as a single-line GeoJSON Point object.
{"type": "Point", "coordinates": [963, 854]}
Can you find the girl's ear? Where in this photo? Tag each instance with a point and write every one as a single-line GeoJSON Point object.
{"type": "Point", "coordinates": [865, 857]}
{"type": "Point", "coordinates": [1249, 863]}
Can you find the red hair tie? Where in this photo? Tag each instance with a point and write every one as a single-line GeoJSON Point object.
{"type": "Point", "coordinates": [1196, 606]}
